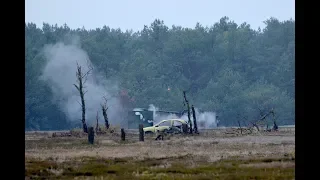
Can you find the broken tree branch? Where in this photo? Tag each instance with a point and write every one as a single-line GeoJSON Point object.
{"type": "Point", "coordinates": [78, 102]}
{"type": "Point", "coordinates": [76, 86]}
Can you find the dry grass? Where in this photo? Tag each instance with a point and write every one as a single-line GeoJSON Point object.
{"type": "Point", "coordinates": [210, 155]}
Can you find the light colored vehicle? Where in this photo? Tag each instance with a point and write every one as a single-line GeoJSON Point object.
{"type": "Point", "coordinates": [166, 126]}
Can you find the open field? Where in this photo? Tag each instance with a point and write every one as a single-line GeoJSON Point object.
{"type": "Point", "coordinates": [210, 155]}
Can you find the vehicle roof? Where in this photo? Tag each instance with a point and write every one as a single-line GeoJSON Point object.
{"type": "Point", "coordinates": [173, 120]}
{"type": "Point", "coordinates": [180, 120]}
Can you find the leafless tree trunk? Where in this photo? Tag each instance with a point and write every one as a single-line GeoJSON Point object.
{"type": "Point", "coordinates": [188, 108]}
{"type": "Point", "coordinates": [141, 132]}
{"type": "Point", "coordinates": [91, 135]}
{"type": "Point", "coordinates": [97, 126]}
{"type": "Point", "coordinates": [240, 127]}
{"type": "Point", "coordinates": [194, 120]}
{"type": "Point", "coordinates": [275, 126]}
{"type": "Point", "coordinates": [104, 113]}
{"type": "Point", "coordinates": [123, 135]}
{"type": "Point", "coordinates": [81, 79]}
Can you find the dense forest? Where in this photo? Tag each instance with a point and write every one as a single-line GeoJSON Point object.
{"type": "Point", "coordinates": [226, 68]}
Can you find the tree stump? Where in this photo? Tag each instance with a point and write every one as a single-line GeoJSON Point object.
{"type": "Point", "coordinates": [123, 135]}
{"type": "Point", "coordinates": [185, 128]}
{"type": "Point", "coordinates": [141, 132]}
{"type": "Point", "coordinates": [275, 126]}
{"type": "Point", "coordinates": [91, 135]}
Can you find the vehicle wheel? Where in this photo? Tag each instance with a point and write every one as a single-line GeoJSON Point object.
{"type": "Point", "coordinates": [166, 131]}
{"type": "Point", "coordinates": [176, 130]}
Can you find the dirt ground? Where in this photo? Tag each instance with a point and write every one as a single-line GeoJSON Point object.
{"type": "Point", "coordinates": [213, 154]}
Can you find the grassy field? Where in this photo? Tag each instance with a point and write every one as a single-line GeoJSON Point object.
{"type": "Point", "coordinates": [210, 155]}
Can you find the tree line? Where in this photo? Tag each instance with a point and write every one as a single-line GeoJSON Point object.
{"type": "Point", "coordinates": [227, 68]}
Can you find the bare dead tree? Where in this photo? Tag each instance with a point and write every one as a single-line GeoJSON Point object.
{"type": "Point", "coordinates": [240, 127]}
{"type": "Point", "coordinates": [262, 118]}
{"type": "Point", "coordinates": [194, 120]}
{"type": "Point", "coordinates": [186, 102]}
{"type": "Point", "coordinates": [81, 80]}
{"type": "Point", "coordinates": [275, 126]}
{"type": "Point", "coordinates": [104, 113]}
{"type": "Point", "coordinates": [254, 124]}
{"type": "Point", "coordinates": [245, 129]}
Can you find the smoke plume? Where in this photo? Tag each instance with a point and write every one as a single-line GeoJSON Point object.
{"type": "Point", "coordinates": [60, 73]}
{"type": "Point", "coordinates": [205, 120]}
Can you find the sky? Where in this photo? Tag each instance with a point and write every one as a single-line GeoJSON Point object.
{"type": "Point", "coordinates": [134, 14]}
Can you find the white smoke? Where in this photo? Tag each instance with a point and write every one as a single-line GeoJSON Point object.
{"type": "Point", "coordinates": [60, 73]}
{"type": "Point", "coordinates": [205, 120]}
{"type": "Point", "coordinates": [154, 109]}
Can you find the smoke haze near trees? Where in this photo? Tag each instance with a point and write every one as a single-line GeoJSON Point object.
{"type": "Point", "coordinates": [227, 68]}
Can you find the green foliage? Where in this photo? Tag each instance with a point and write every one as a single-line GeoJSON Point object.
{"type": "Point", "coordinates": [228, 68]}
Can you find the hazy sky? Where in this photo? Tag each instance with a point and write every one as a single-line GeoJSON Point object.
{"type": "Point", "coordinates": [134, 14]}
